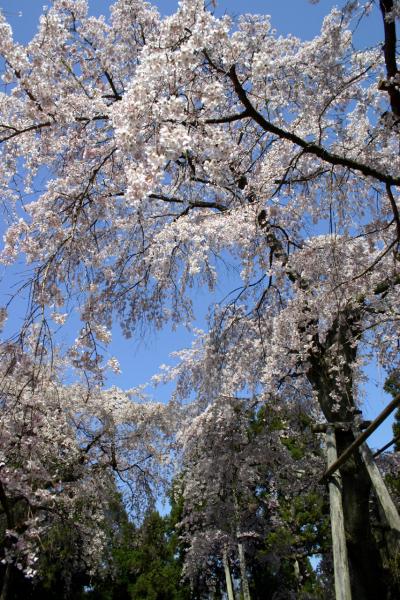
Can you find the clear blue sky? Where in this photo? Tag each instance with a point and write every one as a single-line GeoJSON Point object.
{"type": "Point", "coordinates": [141, 358]}
{"type": "Point", "coordinates": [298, 17]}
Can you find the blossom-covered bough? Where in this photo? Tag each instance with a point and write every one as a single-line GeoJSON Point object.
{"type": "Point", "coordinates": [144, 152]}
{"type": "Point", "coordinates": [61, 448]}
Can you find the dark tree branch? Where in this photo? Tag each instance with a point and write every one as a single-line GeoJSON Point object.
{"type": "Point", "coordinates": [6, 507]}
{"type": "Point", "coordinates": [194, 204]}
{"type": "Point", "coordinates": [164, 198]}
{"type": "Point", "coordinates": [395, 210]}
{"type": "Point", "coordinates": [228, 118]}
{"type": "Point", "coordinates": [308, 147]}
{"type": "Point", "coordinates": [389, 50]}
{"type": "Point", "coordinates": [116, 94]}
{"type": "Point", "coordinates": [15, 132]}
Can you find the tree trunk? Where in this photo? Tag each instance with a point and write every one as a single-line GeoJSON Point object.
{"type": "Point", "coordinates": [8, 573]}
{"type": "Point", "coordinates": [367, 574]}
{"type": "Point", "coordinates": [331, 376]}
{"type": "Point", "coordinates": [6, 582]}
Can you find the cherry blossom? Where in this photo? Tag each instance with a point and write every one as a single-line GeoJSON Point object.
{"type": "Point", "coordinates": [61, 448]}
{"type": "Point", "coordinates": [140, 153]}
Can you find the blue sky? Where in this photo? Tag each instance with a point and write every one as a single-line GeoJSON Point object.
{"type": "Point", "coordinates": [298, 17]}
{"type": "Point", "coordinates": [141, 358]}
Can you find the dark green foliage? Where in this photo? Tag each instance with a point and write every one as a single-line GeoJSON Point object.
{"type": "Point", "coordinates": [282, 563]}
{"type": "Point", "coordinates": [151, 567]}
{"type": "Point", "coordinates": [304, 533]}
{"type": "Point", "coordinates": [144, 561]}
{"type": "Point", "coordinates": [140, 563]}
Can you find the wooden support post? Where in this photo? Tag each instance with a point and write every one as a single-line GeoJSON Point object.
{"type": "Point", "coordinates": [228, 578]}
{"type": "Point", "coordinates": [381, 491]}
{"type": "Point", "coordinates": [243, 574]}
{"type": "Point", "coordinates": [338, 426]}
{"type": "Point", "coordinates": [340, 561]}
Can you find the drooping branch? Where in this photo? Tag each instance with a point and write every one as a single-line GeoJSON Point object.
{"type": "Point", "coordinates": [307, 147]}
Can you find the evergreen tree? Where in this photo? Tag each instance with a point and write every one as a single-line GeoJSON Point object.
{"type": "Point", "coordinates": [144, 562]}
{"type": "Point", "coordinates": [139, 562]}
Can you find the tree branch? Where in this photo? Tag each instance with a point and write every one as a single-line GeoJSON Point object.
{"type": "Point", "coordinates": [308, 147]}
{"type": "Point", "coordinates": [228, 118]}
{"type": "Point", "coordinates": [395, 210]}
{"type": "Point", "coordinates": [389, 50]}
{"type": "Point", "coordinates": [194, 204]}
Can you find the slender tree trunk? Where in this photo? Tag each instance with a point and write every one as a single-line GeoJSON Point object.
{"type": "Point", "coordinates": [228, 578]}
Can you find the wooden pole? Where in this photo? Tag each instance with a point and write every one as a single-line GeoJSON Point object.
{"type": "Point", "coordinates": [338, 426]}
{"type": "Point", "coordinates": [386, 446]}
{"type": "Point", "coordinates": [243, 574]}
{"type": "Point", "coordinates": [228, 578]}
{"type": "Point", "coordinates": [242, 558]}
{"type": "Point", "coordinates": [357, 443]}
{"type": "Point", "coordinates": [381, 491]}
{"type": "Point", "coordinates": [340, 561]}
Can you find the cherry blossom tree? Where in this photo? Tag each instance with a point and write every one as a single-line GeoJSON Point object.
{"type": "Point", "coordinates": [152, 149]}
{"type": "Point", "coordinates": [61, 448]}
{"type": "Point", "coordinates": [237, 469]}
